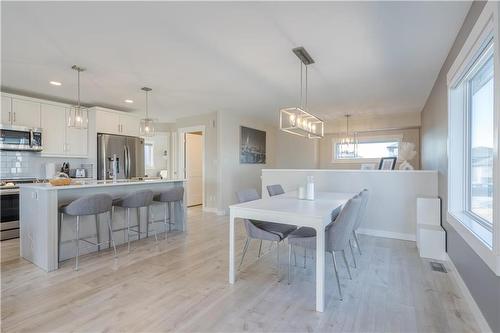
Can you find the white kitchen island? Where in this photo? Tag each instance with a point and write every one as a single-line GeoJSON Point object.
{"type": "Point", "coordinates": [39, 217]}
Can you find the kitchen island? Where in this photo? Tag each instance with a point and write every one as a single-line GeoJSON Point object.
{"type": "Point", "coordinates": [39, 217]}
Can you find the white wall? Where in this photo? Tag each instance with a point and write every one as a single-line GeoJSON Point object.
{"type": "Point", "coordinates": [391, 210]}
{"type": "Point", "coordinates": [296, 152]}
{"type": "Point", "coordinates": [234, 176]}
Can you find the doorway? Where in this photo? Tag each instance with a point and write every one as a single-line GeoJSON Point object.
{"type": "Point", "coordinates": [192, 164]}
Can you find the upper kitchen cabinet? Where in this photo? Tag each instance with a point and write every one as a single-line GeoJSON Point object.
{"type": "Point", "coordinates": [20, 112]}
{"type": "Point", "coordinates": [25, 113]}
{"type": "Point", "coordinates": [58, 139]}
{"type": "Point", "coordinates": [54, 126]}
{"type": "Point", "coordinates": [116, 122]}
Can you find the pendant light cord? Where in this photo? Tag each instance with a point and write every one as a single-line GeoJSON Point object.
{"type": "Point", "coordinates": [147, 105]}
{"type": "Point", "coordinates": [78, 76]}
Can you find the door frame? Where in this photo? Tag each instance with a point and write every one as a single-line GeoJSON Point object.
{"type": "Point", "coordinates": [182, 154]}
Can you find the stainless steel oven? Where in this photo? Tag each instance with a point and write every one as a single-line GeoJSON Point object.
{"type": "Point", "coordinates": [20, 138]}
{"type": "Point", "coordinates": [9, 207]}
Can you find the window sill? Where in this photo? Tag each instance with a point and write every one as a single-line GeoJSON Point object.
{"type": "Point", "coordinates": [477, 237]}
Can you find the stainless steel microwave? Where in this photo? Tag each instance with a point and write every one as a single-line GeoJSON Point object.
{"type": "Point", "coordinates": [20, 138]}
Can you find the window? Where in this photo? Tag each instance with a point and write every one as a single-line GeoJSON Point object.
{"type": "Point", "coordinates": [372, 149]}
{"type": "Point", "coordinates": [149, 156]}
{"type": "Point", "coordinates": [472, 140]}
{"type": "Point", "coordinates": [480, 120]}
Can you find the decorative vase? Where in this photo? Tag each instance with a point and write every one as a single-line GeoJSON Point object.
{"type": "Point", "coordinates": [405, 166]}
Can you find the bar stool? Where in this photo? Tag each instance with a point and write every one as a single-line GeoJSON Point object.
{"type": "Point", "coordinates": [168, 198]}
{"type": "Point", "coordinates": [89, 205]}
{"type": "Point", "coordinates": [137, 200]}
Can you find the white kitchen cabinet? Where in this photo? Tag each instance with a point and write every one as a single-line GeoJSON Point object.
{"type": "Point", "coordinates": [25, 113]}
{"type": "Point", "coordinates": [6, 110]}
{"type": "Point", "coordinates": [54, 127]}
{"type": "Point", "coordinates": [114, 122]}
{"type": "Point", "coordinates": [58, 139]}
{"type": "Point", "coordinates": [76, 142]}
{"type": "Point", "coordinates": [129, 125]}
{"type": "Point", "coordinates": [107, 122]}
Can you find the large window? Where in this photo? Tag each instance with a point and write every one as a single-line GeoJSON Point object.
{"type": "Point", "coordinates": [473, 114]}
{"type": "Point", "coordinates": [372, 149]}
{"type": "Point", "coordinates": [480, 120]}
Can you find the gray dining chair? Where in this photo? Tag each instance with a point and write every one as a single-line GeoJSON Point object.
{"type": "Point", "coordinates": [260, 230]}
{"type": "Point", "coordinates": [362, 212]}
{"type": "Point", "coordinates": [337, 237]}
{"type": "Point", "coordinates": [274, 190]}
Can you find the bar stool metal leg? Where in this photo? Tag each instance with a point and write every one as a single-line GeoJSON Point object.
{"type": "Point", "coordinates": [128, 229]}
{"type": "Point", "coordinates": [111, 233]}
{"type": "Point", "coordinates": [289, 262]}
{"type": "Point", "coordinates": [77, 241]}
{"type": "Point", "coordinates": [138, 210]}
{"type": "Point", "coordinates": [166, 220]}
{"type": "Point", "coordinates": [97, 232]}
{"type": "Point", "coordinates": [156, 235]}
{"type": "Point", "coordinates": [353, 257]}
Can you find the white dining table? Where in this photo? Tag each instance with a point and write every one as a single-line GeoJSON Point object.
{"type": "Point", "coordinates": [288, 209]}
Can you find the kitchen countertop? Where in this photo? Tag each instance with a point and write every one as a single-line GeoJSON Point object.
{"type": "Point", "coordinates": [96, 183]}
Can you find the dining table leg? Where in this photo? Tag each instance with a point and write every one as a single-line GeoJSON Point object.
{"type": "Point", "coordinates": [232, 273]}
{"type": "Point", "coordinates": [320, 269]}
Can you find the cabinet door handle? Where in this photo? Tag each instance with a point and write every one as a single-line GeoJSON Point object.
{"type": "Point", "coordinates": [14, 120]}
{"type": "Point", "coordinates": [9, 116]}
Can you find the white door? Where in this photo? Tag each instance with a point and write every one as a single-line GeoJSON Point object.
{"type": "Point", "coordinates": [194, 169]}
{"type": "Point", "coordinates": [76, 140]}
{"type": "Point", "coordinates": [25, 113]}
{"type": "Point", "coordinates": [6, 110]}
{"type": "Point", "coordinates": [54, 127]}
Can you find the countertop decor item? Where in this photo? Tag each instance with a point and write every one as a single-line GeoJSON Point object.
{"type": "Point", "coordinates": [147, 127]}
{"type": "Point", "coordinates": [297, 120]}
{"type": "Point", "coordinates": [387, 163]}
{"type": "Point", "coordinates": [78, 115]}
{"type": "Point", "coordinates": [406, 153]}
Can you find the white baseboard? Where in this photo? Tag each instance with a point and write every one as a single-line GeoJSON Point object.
{"type": "Point", "coordinates": [387, 234]}
{"type": "Point", "coordinates": [214, 210]}
{"type": "Point", "coordinates": [476, 311]}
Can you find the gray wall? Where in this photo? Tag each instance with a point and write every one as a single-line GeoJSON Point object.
{"type": "Point", "coordinates": [483, 284]}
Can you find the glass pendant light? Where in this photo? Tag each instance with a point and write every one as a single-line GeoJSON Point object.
{"type": "Point", "coordinates": [78, 116]}
{"type": "Point", "coordinates": [147, 127]}
{"type": "Point", "coordinates": [348, 145]}
{"type": "Point", "coordinates": [298, 120]}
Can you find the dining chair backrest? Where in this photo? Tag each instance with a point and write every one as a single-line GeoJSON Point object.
{"type": "Point", "coordinates": [245, 196]}
{"type": "Point", "coordinates": [275, 190]}
{"type": "Point", "coordinates": [362, 208]}
{"type": "Point", "coordinates": [338, 232]}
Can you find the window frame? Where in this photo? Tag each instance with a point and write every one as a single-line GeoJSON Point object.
{"type": "Point", "coordinates": [363, 139]}
{"type": "Point", "coordinates": [485, 243]}
{"type": "Point", "coordinates": [151, 166]}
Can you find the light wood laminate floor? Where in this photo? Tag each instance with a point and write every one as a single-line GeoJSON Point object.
{"type": "Point", "coordinates": [182, 286]}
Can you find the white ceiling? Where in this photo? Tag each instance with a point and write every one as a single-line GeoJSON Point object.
{"type": "Point", "coordinates": [380, 57]}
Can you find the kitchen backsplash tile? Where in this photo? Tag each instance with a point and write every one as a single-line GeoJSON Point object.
{"type": "Point", "coordinates": [19, 164]}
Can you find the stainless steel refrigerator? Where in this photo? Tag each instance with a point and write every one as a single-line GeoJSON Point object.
{"type": "Point", "coordinates": [129, 153]}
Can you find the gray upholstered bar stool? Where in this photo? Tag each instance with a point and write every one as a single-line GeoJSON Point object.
{"type": "Point", "coordinates": [137, 200]}
{"type": "Point", "coordinates": [95, 204]}
{"type": "Point", "coordinates": [168, 198]}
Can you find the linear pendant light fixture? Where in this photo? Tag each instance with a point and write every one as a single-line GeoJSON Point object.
{"type": "Point", "coordinates": [297, 120]}
{"type": "Point", "coordinates": [78, 116]}
{"type": "Point", "coordinates": [147, 127]}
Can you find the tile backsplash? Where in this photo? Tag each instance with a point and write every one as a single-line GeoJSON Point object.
{"type": "Point", "coordinates": [26, 164]}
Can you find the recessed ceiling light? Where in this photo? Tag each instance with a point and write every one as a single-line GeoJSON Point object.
{"type": "Point", "coordinates": [129, 101]}
{"type": "Point", "coordinates": [55, 83]}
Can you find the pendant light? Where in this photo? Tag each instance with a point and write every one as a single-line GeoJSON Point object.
{"type": "Point", "coordinates": [298, 120]}
{"type": "Point", "coordinates": [348, 145]}
{"type": "Point", "coordinates": [147, 124]}
{"type": "Point", "coordinates": [78, 115]}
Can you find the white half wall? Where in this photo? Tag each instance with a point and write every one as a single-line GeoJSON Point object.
{"type": "Point", "coordinates": [391, 210]}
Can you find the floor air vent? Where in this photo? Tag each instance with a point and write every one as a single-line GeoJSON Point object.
{"type": "Point", "coordinates": [438, 267]}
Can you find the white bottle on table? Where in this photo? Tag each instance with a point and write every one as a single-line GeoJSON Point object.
{"type": "Point", "coordinates": [310, 188]}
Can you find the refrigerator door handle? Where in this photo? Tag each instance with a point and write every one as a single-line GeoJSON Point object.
{"type": "Point", "coordinates": [125, 161]}
{"type": "Point", "coordinates": [127, 171]}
